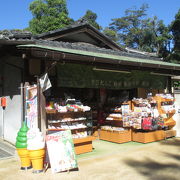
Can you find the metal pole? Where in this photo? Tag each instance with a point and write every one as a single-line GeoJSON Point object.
{"type": "Point", "coordinates": [2, 123]}
{"type": "Point", "coordinates": [22, 103]}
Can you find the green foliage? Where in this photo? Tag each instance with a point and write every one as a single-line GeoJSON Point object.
{"type": "Point", "coordinates": [91, 18]}
{"type": "Point", "coordinates": [175, 28]}
{"type": "Point", "coordinates": [48, 15]}
{"type": "Point", "coordinates": [136, 30]}
{"type": "Point", "coordinates": [112, 34]}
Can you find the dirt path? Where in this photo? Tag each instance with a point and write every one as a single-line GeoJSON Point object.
{"type": "Point", "coordinates": [155, 161]}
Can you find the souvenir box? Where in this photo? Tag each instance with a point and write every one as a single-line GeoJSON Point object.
{"type": "Point", "coordinates": [149, 136]}
{"type": "Point", "coordinates": [115, 136]}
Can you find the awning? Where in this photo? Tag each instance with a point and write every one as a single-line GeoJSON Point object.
{"type": "Point", "coordinates": [74, 55]}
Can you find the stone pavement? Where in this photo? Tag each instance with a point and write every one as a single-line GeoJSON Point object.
{"type": "Point", "coordinates": [6, 150]}
{"type": "Point", "coordinates": [153, 161]}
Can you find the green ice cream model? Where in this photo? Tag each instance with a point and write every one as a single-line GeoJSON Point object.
{"type": "Point", "coordinates": [21, 146]}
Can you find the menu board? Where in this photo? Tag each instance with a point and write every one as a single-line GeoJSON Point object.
{"type": "Point", "coordinates": [61, 152]}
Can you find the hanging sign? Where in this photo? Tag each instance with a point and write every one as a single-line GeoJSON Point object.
{"type": "Point", "coordinates": [83, 76]}
{"type": "Point", "coordinates": [45, 83]}
{"type": "Point", "coordinates": [61, 152]}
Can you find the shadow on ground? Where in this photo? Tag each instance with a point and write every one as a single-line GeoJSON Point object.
{"type": "Point", "coordinates": [166, 165]}
{"type": "Point", "coordinates": [154, 170]}
{"type": "Point", "coordinates": [171, 142]}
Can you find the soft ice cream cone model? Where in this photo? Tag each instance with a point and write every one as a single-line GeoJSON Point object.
{"type": "Point", "coordinates": [36, 148]}
{"type": "Point", "coordinates": [21, 146]}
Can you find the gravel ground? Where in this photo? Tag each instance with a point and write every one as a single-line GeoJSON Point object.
{"type": "Point", "coordinates": [153, 161]}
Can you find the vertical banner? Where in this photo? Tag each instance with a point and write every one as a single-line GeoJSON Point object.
{"type": "Point", "coordinates": [31, 107]}
{"type": "Point", "coordinates": [61, 152]}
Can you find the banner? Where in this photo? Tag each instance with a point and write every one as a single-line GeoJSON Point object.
{"type": "Point", "coordinates": [61, 152]}
{"type": "Point", "coordinates": [83, 76]}
{"type": "Point", "coordinates": [31, 107]}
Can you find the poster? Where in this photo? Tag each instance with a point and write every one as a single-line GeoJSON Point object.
{"type": "Point", "coordinates": [61, 152]}
{"type": "Point", "coordinates": [31, 107]}
{"type": "Point", "coordinates": [125, 109]}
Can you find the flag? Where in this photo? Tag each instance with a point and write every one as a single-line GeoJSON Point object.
{"type": "Point", "coordinates": [45, 83]}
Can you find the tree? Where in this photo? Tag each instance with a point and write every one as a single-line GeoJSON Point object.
{"type": "Point", "coordinates": [91, 17]}
{"type": "Point", "coordinates": [157, 37]}
{"type": "Point", "coordinates": [175, 28]}
{"type": "Point", "coordinates": [48, 15]}
{"type": "Point", "coordinates": [130, 26]}
{"type": "Point", "coordinates": [112, 34]}
{"type": "Point", "coordinates": [136, 30]}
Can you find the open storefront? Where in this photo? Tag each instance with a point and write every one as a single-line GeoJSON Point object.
{"type": "Point", "coordinates": [98, 98]}
{"type": "Point", "coordinates": [98, 90]}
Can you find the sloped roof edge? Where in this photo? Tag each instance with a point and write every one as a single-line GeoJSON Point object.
{"type": "Point", "coordinates": [142, 62]}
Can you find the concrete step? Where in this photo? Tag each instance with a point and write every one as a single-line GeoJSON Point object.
{"type": "Point", "coordinates": [7, 150]}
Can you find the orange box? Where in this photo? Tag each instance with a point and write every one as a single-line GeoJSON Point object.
{"type": "Point", "coordinates": [115, 136]}
{"type": "Point", "coordinates": [83, 145]}
{"type": "Point", "coordinates": [169, 133]}
{"type": "Point", "coordinates": [146, 137]}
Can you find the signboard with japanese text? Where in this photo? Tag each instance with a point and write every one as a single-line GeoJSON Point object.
{"type": "Point", "coordinates": [84, 76]}
{"type": "Point", "coordinates": [61, 152]}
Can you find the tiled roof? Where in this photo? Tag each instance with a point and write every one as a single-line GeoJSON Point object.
{"type": "Point", "coordinates": [92, 48]}
{"type": "Point", "coordinates": [15, 35]}
{"type": "Point", "coordinates": [27, 37]}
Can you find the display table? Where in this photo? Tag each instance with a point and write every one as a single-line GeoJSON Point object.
{"type": "Point", "coordinates": [169, 133]}
{"type": "Point", "coordinates": [83, 145]}
{"type": "Point", "coordinates": [146, 137]}
{"type": "Point", "coordinates": [115, 136]}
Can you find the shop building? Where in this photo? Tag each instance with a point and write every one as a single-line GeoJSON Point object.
{"type": "Point", "coordinates": [89, 67]}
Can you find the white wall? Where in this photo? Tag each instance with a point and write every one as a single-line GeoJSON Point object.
{"type": "Point", "coordinates": [12, 78]}
{"type": "Point", "coordinates": [12, 118]}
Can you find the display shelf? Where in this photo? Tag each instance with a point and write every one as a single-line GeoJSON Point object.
{"type": "Point", "coordinates": [149, 136]}
{"type": "Point", "coordinates": [115, 119]}
{"type": "Point", "coordinates": [169, 133]}
{"type": "Point", "coordinates": [115, 136]}
{"type": "Point", "coordinates": [69, 129]}
{"type": "Point", "coordinates": [95, 132]}
{"type": "Point", "coordinates": [59, 121]}
{"type": "Point", "coordinates": [83, 145]}
{"type": "Point", "coordinates": [169, 121]}
{"type": "Point", "coordinates": [169, 112]}
{"type": "Point", "coordinates": [51, 111]}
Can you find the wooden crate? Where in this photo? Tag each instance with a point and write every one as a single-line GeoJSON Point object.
{"type": "Point", "coordinates": [83, 145]}
{"type": "Point", "coordinates": [115, 136]}
{"type": "Point", "coordinates": [146, 137]}
{"type": "Point", "coordinates": [169, 133]}
{"type": "Point", "coordinates": [95, 132]}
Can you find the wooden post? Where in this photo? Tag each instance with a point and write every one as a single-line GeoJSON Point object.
{"type": "Point", "coordinates": [38, 104]}
{"type": "Point", "coordinates": [22, 103]}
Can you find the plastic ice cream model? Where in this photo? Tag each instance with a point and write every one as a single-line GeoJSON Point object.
{"type": "Point", "coordinates": [21, 146]}
{"type": "Point", "coordinates": [35, 146]}
{"type": "Point", "coordinates": [35, 139]}
{"type": "Point", "coordinates": [21, 139]}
